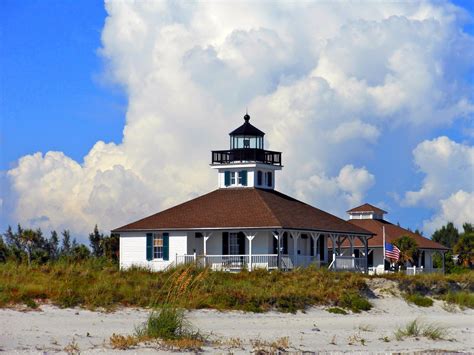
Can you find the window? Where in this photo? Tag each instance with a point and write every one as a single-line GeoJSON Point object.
{"type": "Point", "coordinates": [157, 246]}
{"type": "Point", "coordinates": [234, 244]}
{"type": "Point", "coordinates": [269, 179]}
{"type": "Point", "coordinates": [232, 178]}
{"type": "Point", "coordinates": [259, 178]}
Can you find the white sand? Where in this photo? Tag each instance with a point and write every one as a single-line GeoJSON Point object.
{"type": "Point", "coordinates": [51, 329]}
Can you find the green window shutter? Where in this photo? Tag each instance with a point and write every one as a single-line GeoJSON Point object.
{"type": "Point", "coordinates": [243, 176]}
{"type": "Point", "coordinates": [225, 243]}
{"type": "Point", "coordinates": [166, 246]}
{"type": "Point", "coordinates": [149, 246]}
{"type": "Point", "coordinates": [227, 178]}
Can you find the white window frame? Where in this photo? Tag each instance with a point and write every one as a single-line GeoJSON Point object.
{"type": "Point", "coordinates": [233, 178]}
{"type": "Point", "coordinates": [158, 249]}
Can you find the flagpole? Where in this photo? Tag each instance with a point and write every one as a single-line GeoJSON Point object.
{"type": "Point", "coordinates": [383, 232]}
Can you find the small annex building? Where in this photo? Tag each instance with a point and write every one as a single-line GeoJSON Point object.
{"type": "Point", "coordinates": [371, 218]}
{"type": "Point", "coordinates": [244, 223]}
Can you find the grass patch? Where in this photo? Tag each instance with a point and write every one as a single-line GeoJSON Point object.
{"type": "Point", "coordinates": [92, 284]}
{"type": "Point", "coordinates": [100, 284]}
{"type": "Point", "coordinates": [123, 342]}
{"type": "Point", "coordinates": [354, 302]}
{"type": "Point", "coordinates": [337, 310]}
{"type": "Point", "coordinates": [463, 299]}
{"type": "Point", "coordinates": [415, 329]}
{"type": "Point", "coordinates": [419, 300]}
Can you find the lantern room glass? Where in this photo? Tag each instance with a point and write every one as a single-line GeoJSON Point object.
{"type": "Point", "coordinates": [242, 142]}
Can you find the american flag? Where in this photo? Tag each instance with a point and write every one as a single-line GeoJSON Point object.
{"type": "Point", "coordinates": [391, 251]}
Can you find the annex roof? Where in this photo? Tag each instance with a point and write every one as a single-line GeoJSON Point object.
{"type": "Point", "coordinates": [367, 207]}
{"type": "Point", "coordinates": [392, 232]}
{"type": "Point", "coordinates": [244, 208]}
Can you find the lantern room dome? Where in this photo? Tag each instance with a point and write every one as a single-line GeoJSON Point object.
{"type": "Point", "coordinates": [247, 129]}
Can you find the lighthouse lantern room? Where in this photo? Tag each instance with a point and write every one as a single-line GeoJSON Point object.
{"type": "Point", "coordinates": [246, 163]}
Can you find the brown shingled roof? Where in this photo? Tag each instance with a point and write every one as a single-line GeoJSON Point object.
{"type": "Point", "coordinates": [367, 207]}
{"type": "Point", "coordinates": [233, 208]}
{"type": "Point", "coordinates": [392, 232]}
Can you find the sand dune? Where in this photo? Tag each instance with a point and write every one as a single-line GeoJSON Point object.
{"type": "Point", "coordinates": [51, 329]}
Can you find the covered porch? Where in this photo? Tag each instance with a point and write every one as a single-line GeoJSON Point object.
{"type": "Point", "coordinates": [235, 250]}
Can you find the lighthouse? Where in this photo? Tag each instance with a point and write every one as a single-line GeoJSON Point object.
{"type": "Point", "coordinates": [246, 163]}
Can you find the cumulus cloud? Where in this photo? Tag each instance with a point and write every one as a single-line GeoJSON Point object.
{"type": "Point", "coordinates": [448, 185]}
{"type": "Point", "coordinates": [457, 208]}
{"type": "Point", "coordinates": [324, 80]}
{"type": "Point", "coordinates": [448, 167]}
{"type": "Point", "coordinates": [337, 193]}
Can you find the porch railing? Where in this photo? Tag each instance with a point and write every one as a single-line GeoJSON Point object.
{"type": "Point", "coordinates": [349, 263]}
{"type": "Point", "coordinates": [415, 270]}
{"type": "Point", "coordinates": [256, 261]}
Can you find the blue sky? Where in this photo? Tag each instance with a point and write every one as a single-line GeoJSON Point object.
{"type": "Point", "coordinates": [57, 95]}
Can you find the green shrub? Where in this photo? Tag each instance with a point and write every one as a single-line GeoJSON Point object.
{"type": "Point", "coordinates": [337, 310]}
{"type": "Point", "coordinates": [165, 323]}
{"type": "Point", "coordinates": [419, 300]}
{"type": "Point", "coordinates": [354, 302]}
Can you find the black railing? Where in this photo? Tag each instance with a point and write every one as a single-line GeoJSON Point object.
{"type": "Point", "coordinates": [246, 155]}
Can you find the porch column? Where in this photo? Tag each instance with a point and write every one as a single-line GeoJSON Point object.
{"type": "Point", "coordinates": [351, 243]}
{"type": "Point", "coordinates": [295, 236]}
{"type": "Point", "coordinates": [205, 237]}
{"type": "Point", "coordinates": [276, 235]}
{"type": "Point", "coordinates": [366, 252]}
{"type": "Point", "coordinates": [250, 236]}
{"type": "Point", "coordinates": [333, 240]}
{"type": "Point", "coordinates": [315, 237]}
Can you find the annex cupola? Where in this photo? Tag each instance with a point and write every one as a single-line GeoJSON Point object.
{"type": "Point", "coordinates": [366, 211]}
{"type": "Point", "coordinates": [246, 163]}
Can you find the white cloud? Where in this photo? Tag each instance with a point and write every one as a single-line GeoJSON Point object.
{"type": "Point", "coordinates": [457, 208]}
{"type": "Point", "coordinates": [448, 186]}
{"type": "Point", "coordinates": [324, 80]}
{"type": "Point", "coordinates": [338, 193]}
{"type": "Point", "coordinates": [448, 167]}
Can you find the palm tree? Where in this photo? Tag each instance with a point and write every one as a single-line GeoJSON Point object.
{"type": "Point", "coordinates": [28, 238]}
{"type": "Point", "coordinates": [408, 249]}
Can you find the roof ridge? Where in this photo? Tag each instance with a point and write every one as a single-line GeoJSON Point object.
{"type": "Point", "coordinates": [266, 205]}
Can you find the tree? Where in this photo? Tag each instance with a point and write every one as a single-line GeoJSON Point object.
{"type": "Point", "coordinates": [29, 238]}
{"type": "Point", "coordinates": [4, 252]}
{"type": "Point", "coordinates": [96, 240]}
{"type": "Point", "coordinates": [53, 246]}
{"type": "Point", "coordinates": [79, 252]}
{"type": "Point", "coordinates": [408, 249]}
{"type": "Point", "coordinates": [468, 228]}
{"type": "Point", "coordinates": [465, 246]}
{"type": "Point", "coordinates": [448, 235]}
{"type": "Point", "coordinates": [66, 243]}
{"type": "Point", "coordinates": [111, 247]}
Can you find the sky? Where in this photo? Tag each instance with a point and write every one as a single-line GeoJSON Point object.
{"type": "Point", "coordinates": [109, 112]}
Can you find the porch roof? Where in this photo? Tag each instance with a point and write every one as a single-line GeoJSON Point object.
{"type": "Point", "coordinates": [392, 232]}
{"type": "Point", "coordinates": [244, 208]}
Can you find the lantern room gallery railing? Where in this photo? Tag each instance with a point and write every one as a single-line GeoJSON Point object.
{"type": "Point", "coordinates": [246, 155]}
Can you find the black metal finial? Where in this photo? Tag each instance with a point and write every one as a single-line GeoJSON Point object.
{"type": "Point", "coordinates": [246, 117]}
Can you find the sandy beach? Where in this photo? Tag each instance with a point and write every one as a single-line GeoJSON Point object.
{"type": "Point", "coordinates": [51, 329]}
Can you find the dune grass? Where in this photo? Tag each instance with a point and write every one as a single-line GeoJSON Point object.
{"type": "Point", "coordinates": [96, 283]}
{"type": "Point", "coordinates": [419, 300]}
{"type": "Point", "coordinates": [417, 328]}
